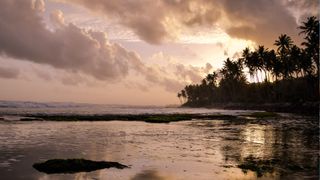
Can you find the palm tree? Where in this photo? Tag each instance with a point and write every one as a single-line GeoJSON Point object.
{"type": "Point", "coordinates": [310, 25]}
{"type": "Point", "coordinates": [212, 78]}
{"type": "Point", "coordinates": [179, 96]}
{"type": "Point", "coordinates": [246, 56]}
{"type": "Point", "coordinates": [184, 95]}
{"type": "Point", "coordinates": [250, 60]}
{"type": "Point", "coordinates": [254, 62]}
{"type": "Point", "coordinates": [311, 30]}
{"type": "Point", "coordinates": [284, 44]}
{"type": "Point", "coordinates": [269, 63]}
{"type": "Point", "coordinates": [232, 69]}
{"type": "Point", "coordinates": [295, 60]}
{"type": "Point", "coordinates": [232, 78]}
{"type": "Point", "coordinates": [305, 63]}
{"type": "Point", "coordinates": [261, 61]}
{"type": "Point", "coordinates": [277, 68]}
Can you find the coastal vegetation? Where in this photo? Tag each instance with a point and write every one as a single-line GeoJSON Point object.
{"type": "Point", "coordinates": [288, 74]}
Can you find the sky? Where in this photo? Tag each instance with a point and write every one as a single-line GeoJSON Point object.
{"type": "Point", "coordinates": [130, 52]}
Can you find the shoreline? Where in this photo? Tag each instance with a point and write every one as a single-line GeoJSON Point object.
{"type": "Point", "coordinates": [307, 108]}
{"type": "Point", "coordinates": [155, 118]}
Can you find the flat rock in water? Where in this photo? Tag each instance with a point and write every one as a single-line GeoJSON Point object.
{"type": "Point", "coordinates": [54, 166]}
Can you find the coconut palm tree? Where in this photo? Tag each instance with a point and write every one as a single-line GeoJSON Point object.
{"type": "Point", "coordinates": [254, 62]}
{"type": "Point", "coordinates": [179, 96]}
{"type": "Point", "coordinates": [284, 44]}
{"type": "Point", "coordinates": [311, 30]}
{"type": "Point", "coordinates": [250, 60]}
{"type": "Point", "coordinates": [246, 56]}
{"type": "Point", "coordinates": [269, 63]}
{"type": "Point", "coordinates": [211, 79]}
{"type": "Point", "coordinates": [184, 95]}
{"type": "Point", "coordinates": [295, 60]}
{"type": "Point", "coordinates": [261, 61]}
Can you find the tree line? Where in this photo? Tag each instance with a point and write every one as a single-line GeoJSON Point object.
{"type": "Point", "coordinates": [288, 74]}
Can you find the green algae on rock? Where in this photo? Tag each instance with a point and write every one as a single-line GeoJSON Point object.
{"type": "Point", "coordinates": [150, 118]}
{"type": "Point", "coordinates": [263, 115]}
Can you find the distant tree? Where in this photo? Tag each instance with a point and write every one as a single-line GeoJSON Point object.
{"type": "Point", "coordinates": [183, 95]}
{"type": "Point", "coordinates": [179, 96]}
{"type": "Point", "coordinates": [211, 79]}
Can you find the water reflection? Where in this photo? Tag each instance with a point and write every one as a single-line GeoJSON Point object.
{"type": "Point", "coordinates": [149, 174]}
{"type": "Point", "coordinates": [289, 148]}
{"type": "Point", "coordinates": [203, 149]}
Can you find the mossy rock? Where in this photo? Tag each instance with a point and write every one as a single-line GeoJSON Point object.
{"type": "Point", "coordinates": [54, 166]}
{"type": "Point", "coordinates": [263, 115]}
{"type": "Point", "coordinates": [166, 118]}
{"type": "Point", "coordinates": [150, 118]}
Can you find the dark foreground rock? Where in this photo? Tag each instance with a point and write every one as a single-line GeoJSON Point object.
{"type": "Point", "coordinates": [54, 166]}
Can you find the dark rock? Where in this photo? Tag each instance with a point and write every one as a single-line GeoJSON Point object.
{"type": "Point", "coordinates": [74, 165]}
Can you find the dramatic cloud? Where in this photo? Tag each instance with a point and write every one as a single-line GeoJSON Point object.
{"type": "Point", "coordinates": [25, 36]}
{"type": "Point", "coordinates": [303, 9]}
{"type": "Point", "coordinates": [80, 52]}
{"type": "Point", "coordinates": [64, 44]}
{"type": "Point", "coordinates": [156, 21]}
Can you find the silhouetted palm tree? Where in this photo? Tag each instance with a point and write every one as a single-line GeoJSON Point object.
{"type": "Point", "coordinates": [284, 44]}
{"type": "Point", "coordinates": [261, 61]}
{"type": "Point", "coordinates": [232, 69]}
{"type": "Point", "coordinates": [269, 63]}
{"type": "Point", "coordinates": [277, 68]}
{"type": "Point", "coordinates": [311, 30]}
{"type": "Point", "coordinates": [254, 63]}
{"type": "Point", "coordinates": [246, 56]}
{"type": "Point", "coordinates": [179, 96]}
{"type": "Point", "coordinates": [251, 61]}
{"type": "Point", "coordinates": [212, 78]}
{"type": "Point", "coordinates": [184, 95]}
{"type": "Point", "coordinates": [289, 61]}
{"type": "Point", "coordinates": [295, 60]}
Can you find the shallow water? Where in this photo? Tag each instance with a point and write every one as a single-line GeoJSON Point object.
{"type": "Point", "coordinates": [198, 149]}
